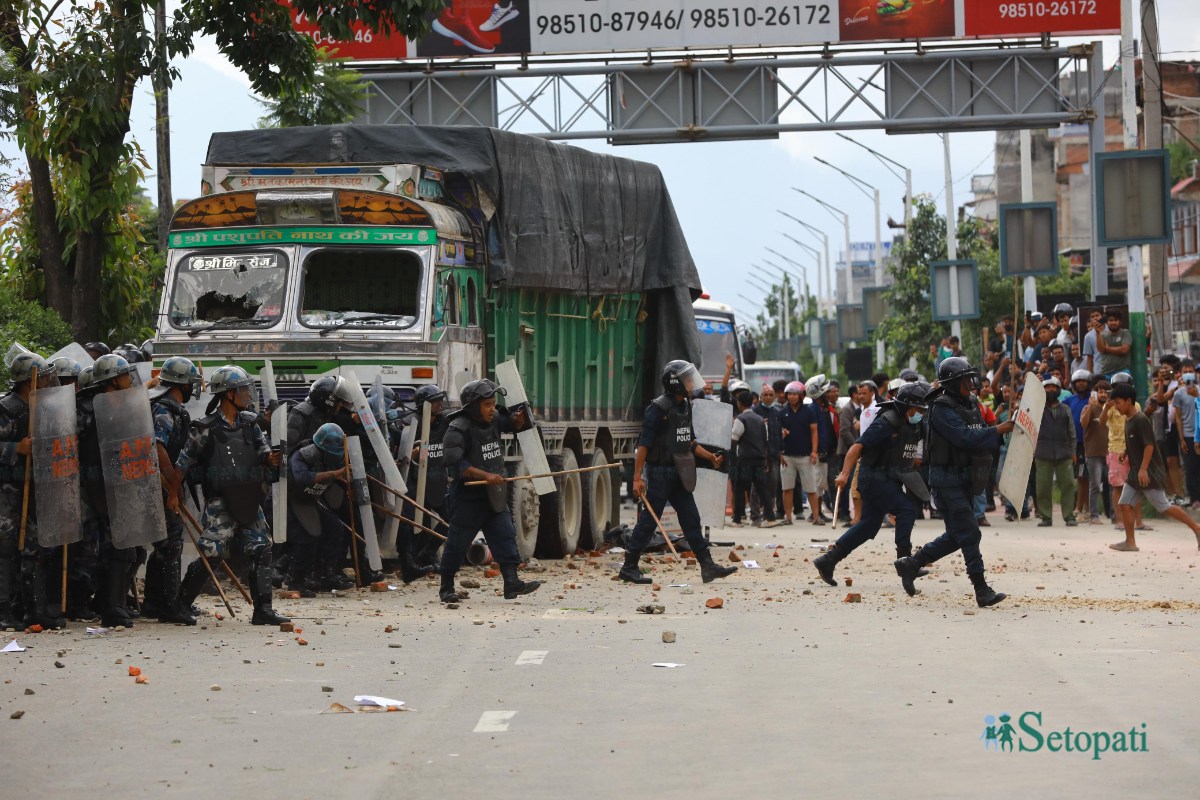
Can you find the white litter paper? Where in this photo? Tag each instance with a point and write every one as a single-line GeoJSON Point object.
{"type": "Point", "coordinates": [97, 631]}
{"type": "Point", "coordinates": [13, 647]}
{"type": "Point", "coordinates": [750, 564]}
{"type": "Point", "coordinates": [677, 585]}
{"type": "Point", "coordinates": [667, 665]}
{"type": "Point", "coordinates": [374, 700]}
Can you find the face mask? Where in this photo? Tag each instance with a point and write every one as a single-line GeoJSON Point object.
{"type": "Point", "coordinates": [916, 418]}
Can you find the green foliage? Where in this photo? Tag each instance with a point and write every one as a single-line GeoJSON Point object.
{"type": "Point", "coordinates": [1182, 156]}
{"type": "Point", "coordinates": [37, 328]}
{"type": "Point", "coordinates": [333, 98]}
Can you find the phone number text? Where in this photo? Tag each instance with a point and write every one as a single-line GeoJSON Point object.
{"type": "Point", "coordinates": [694, 19]}
{"type": "Point", "coordinates": [1049, 8]}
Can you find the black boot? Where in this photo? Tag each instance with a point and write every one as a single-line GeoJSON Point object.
{"type": "Point", "coordinates": [264, 614]}
{"type": "Point", "coordinates": [155, 597]}
{"type": "Point", "coordinates": [710, 570]}
{"type": "Point", "coordinates": [38, 606]}
{"type": "Point", "coordinates": [513, 585]}
{"type": "Point", "coordinates": [630, 572]}
{"type": "Point", "coordinates": [904, 552]}
{"type": "Point", "coordinates": [827, 561]}
{"type": "Point", "coordinates": [446, 593]}
{"type": "Point", "coordinates": [173, 611]}
{"type": "Point", "coordinates": [909, 569]}
{"type": "Point", "coordinates": [300, 562]}
{"type": "Point", "coordinates": [8, 615]}
{"type": "Point", "coordinates": [194, 581]}
{"type": "Point", "coordinates": [116, 589]}
{"type": "Point", "coordinates": [985, 595]}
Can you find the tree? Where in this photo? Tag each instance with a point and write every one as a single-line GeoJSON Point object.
{"type": "Point", "coordinates": [333, 98]}
{"type": "Point", "coordinates": [68, 80]}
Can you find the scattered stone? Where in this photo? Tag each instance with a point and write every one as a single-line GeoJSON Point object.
{"type": "Point", "coordinates": [216, 687]}
{"type": "Point", "coordinates": [853, 597]}
{"type": "Point", "coordinates": [16, 715]}
{"type": "Point", "coordinates": [287, 627]}
{"type": "Point", "coordinates": [622, 621]}
{"type": "Point", "coordinates": [283, 596]}
{"type": "Point", "coordinates": [395, 645]}
{"type": "Point", "coordinates": [301, 642]}
{"type": "Point", "coordinates": [29, 692]}
{"type": "Point", "coordinates": [668, 637]}
{"type": "Point", "coordinates": [733, 556]}
{"type": "Point", "coordinates": [689, 562]}
{"type": "Point", "coordinates": [491, 573]}
{"type": "Point", "coordinates": [652, 609]}
{"type": "Point", "coordinates": [379, 586]}
{"type": "Point", "coordinates": [59, 664]}
{"type": "Point", "coordinates": [714, 602]}
{"type": "Point", "coordinates": [452, 606]}
{"type": "Point", "coordinates": [469, 583]}
{"type": "Point", "coordinates": [657, 587]}
{"type": "Point", "coordinates": [572, 565]}
{"type": "Point", "coordinates": [141, 679]}
{"type": "Point", "coordinates": [969, 612]}
{"type": "Point", "coordinates": [135, 671]}
{"type": "Point", "coordinates": [807, 591]}
{"type": "Point", "coordinates": [388, 629]}
{"type": "Point", "coordinates": [849, 581]}
{"type": "Point", "coordinates": [477, 621]}
{"type": "Point", "coordinates": [326, 689]}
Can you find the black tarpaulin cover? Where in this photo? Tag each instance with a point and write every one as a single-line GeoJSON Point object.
{"type": "Point", "coordinates": [567, 219]}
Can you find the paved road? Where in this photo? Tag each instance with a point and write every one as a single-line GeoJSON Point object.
{"type": "Point", "coordinates": [781, 693]}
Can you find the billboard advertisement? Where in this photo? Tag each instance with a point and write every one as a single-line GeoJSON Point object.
{"type": "Point", "coordinates": [512, 27]}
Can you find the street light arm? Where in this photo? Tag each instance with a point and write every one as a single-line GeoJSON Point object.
{"type": "Point", "coordinates": [815, 252]}
{"type": "Point", "coordinates": [812, 228]}
{"type": "Point", "coordinates": [887, 162]}
{"type": "Point", "coordinates": [859, 183]}
{"type": "Point", "coordinates": [833, 210]}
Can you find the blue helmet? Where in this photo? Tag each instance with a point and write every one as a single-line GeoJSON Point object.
{"type": "Point", "coordinates": [331, 440]}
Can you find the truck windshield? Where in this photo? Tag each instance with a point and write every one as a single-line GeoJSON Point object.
{"type": "Point", "coordinates": [756, 376]}
{"type": "Point", "coordinates": [226, 287]}
{"type": "Point", "coordinates": [376, 288]}
{"type": "Point", "coordinates": [717, 338]}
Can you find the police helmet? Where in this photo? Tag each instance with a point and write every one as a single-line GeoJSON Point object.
{"type": "Point", "coordinates": [954, 368]}
{"type": "Point", "coordinates": [331, 439]}
{"type": "Point", "coordinates": [894, 385]}
{"type": "Point", "coordinates": [227, 378]}
{"type": "Point", "coordinates": [909, 375]}
{"type": "Point", "coordinates": [67, 368]}
{"type": "Point", "coordinates": [128, 352]}
{"type": "Point", "coordinates": [428, 393]}
{"type": "Point", "coordinates": [341, 392]}
{"type": "Point", "coordinates": [681, 377]}
{"type": "Point", "coordinates": [912, 395]}
{"type": "Point", "coordinates": [148, 350]}
{"type": "Point", "coordinates": [480, 390]}
{"type": "Point", "coordinates": [320, 394]}
{"type": "Point", "coordinates": [389, 395]}
{"type": "Point", "coordinates": [1081, 375]}
{"type": "Point", "coordinates": [180, 371]}
{"type": "Point", "coordinates": [97, 349]}
{"type": "Point", "coordinates": [85, 378]}
{"type": "Point", "coordinates": [795, 387]}
{"type": "Point", "coordinates": [21, 368]}
{"type": "Point", "coordinates": [108, 367]}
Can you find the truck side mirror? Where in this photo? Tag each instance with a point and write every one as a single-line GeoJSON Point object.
{"type": "Point", "coordinates": [749, 351]}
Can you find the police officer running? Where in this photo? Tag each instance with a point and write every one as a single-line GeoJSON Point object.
{"type": "Point", "coordinates": [885, 453]}
{"type": "Point", "coordinates": [178, 381]}
{"type": "Point", "coordinates": [960, 462]}
{"type": "Point", "coordinates": [474, 452]}
{"type": "Point", "coordinates": [228, 449]}
{"type": "Point", "coordinates": [667, 450]}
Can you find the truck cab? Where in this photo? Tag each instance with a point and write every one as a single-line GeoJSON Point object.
{"type": "Point", "coordinates": [719, 337]}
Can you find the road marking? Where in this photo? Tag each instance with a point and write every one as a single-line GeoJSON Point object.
{"type": "Point", "coordinates": [532, 657]}
{"type": "Point", "coordinates": [494, 721]}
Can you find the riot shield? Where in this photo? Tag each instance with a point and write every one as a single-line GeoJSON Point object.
{"type": "Point", "coordinates": [366, 416]}
{"type": "Point", "coordinates": [712, 489]}
{"type": "Point", "coordinates": [279, 419]}
{"type": "Point", "coordinates": [14, 350]}
{"type": "Point", "coordinates": [1015, 477]}
{"type": "Point", "coordinates": [362, 501]}
{"type": "Point", "coordinates": [423, 467]}
{"type": "Point", "coordinates": [266, 376]}
{"type": "Point", "coordinates": [56, 467]}
{"type": "Point", "coordinates": [532, 449]}
{"type": "Point", "coordinates": [129, 457]}
{"type": "Point", "coordinates": [74, 351]}
{"type": "Point", "coordinates": [713, 424]}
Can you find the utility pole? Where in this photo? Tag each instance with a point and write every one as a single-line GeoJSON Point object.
{"type": "Point", "coordinates": [1135, 275]}
{"type": "Point", "coordinates": [951, 236]}
{"type": "Point", "coordinates": [1162, 336]}
{"type": "Point", "coordinates": [162, 127]}
{"type": "Point", "coordinates": [1027, 197]}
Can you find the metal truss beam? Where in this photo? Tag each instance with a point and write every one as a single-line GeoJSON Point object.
{"type": "Point", "coordinates": [695, 99]}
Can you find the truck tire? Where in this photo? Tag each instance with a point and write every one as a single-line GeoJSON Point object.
{"type": "Point", "coordinates": [600, 500]}
{"type": "Point", "coordinates": [526, 511]}
{"type": "Point", "coordinates": [562, 510]}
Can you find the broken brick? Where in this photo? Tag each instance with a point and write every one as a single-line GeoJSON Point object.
{"type": "Point", "coordinates": [853, 597]}
{"type": "Point", "coordinates": [714, 602]}
{"type": "Point", "coordinates": [286, 627]}
{"type": "Point", "coordinates": [733, 556]}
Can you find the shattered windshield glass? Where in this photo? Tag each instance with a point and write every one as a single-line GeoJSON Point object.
{"type": "Point", "coordinates": [227, 287]}
{"type": "Point", "coordinates": [361, 288]}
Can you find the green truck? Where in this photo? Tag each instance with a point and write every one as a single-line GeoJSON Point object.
{"type": "Point", "coordinates": [429, 255]}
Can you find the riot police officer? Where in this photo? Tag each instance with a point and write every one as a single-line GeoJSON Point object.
{"type": "Point", "coordinates": [228, 450]}
{"type": "Point", "coordinates": [417, 551]}
{"type": "Point", "coordinates": [959, 451]}
{"type": "Point", "coordinates": [178, 381]}
{"type": "Point", "coordinates": [474, 452]}
{"type": "Point", "coordinates": [115, 565]}
{"type": "Point", "coordinates": [885, 453]}
{"type": "Point", "coordinates": [68, 370]}
{"type": "Point", "coordinates": [317, 477]}
{"type": "Point", "coordinates": [25, 568]}
{"type": "Point", "coordinates": [667, 449]}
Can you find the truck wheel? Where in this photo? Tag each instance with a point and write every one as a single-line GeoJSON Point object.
{"type": "Point", "coordinates": [526, 511]}
{"type": "Point", "coordinates": [600, 500]}
{"type": "Point", "coordinates": [562, 511]}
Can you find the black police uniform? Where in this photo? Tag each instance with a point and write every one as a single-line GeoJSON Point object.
{"type": "Point", "coordinates": [750, 474]}
{"type": "Point", "coordinates": [164, 569]}
{"type": "Point", "coordinates": [316, 513]}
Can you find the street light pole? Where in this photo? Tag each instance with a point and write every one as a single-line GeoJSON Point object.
{"type": "Point", "coordinates": [801, 271]}
{"type": "Point", "coordinates": [873, 193]}
{"type": "Point", "coordinates": [825, 239]}
{"type": "Point", "coordinates": [783, 304]}
{"type": "Point", "coordinates": [834, 211]}
{"type": "Point", "coordinates": [888, 162]}
{"type": "Point", "coordinates": [818, 352]}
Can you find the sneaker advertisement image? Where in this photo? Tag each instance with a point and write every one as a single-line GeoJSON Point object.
{"type": "Point", "coordinates": [478, 27]}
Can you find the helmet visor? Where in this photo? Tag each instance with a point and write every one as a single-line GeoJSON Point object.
{"type": "Point", "coordinates": [691, 381]}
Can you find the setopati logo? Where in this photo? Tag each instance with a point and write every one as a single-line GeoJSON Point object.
{"type": "Point", "coordinates": [1032, 734]}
